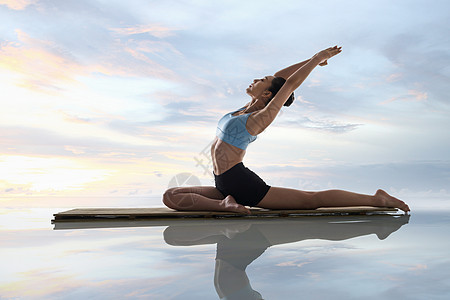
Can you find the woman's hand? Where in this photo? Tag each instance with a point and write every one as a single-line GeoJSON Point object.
{"type": "Point", "coordinates": [326, 54]}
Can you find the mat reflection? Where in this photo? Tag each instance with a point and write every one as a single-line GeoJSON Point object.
{"type": "Point", "coordinates": [240, 242]}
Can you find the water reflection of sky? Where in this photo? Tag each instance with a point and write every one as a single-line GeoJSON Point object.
{"type": "Point", "coordinates": [376, 257]}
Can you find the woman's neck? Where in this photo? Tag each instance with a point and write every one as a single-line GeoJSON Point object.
{"type": "Point", "coordinates": [254, 105]}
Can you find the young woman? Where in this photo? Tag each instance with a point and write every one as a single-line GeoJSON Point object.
{"type": "Point", "coordinates": [237, 186]}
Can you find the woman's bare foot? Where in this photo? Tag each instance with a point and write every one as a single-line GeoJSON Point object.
{"type": "Point", "coordinates": [386, 200]}
{"type": "Point", "coordinates": [231, 205]}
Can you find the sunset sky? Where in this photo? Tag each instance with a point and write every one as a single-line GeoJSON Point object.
{"type": "Point", "coordinates": [112, 99]}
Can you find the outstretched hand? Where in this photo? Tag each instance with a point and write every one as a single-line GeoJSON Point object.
{"type": "Point", "coordinates": [326, 54]}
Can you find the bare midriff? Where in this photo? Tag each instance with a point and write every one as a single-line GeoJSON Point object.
{"type": "Point", "coordinates": [225, 156]}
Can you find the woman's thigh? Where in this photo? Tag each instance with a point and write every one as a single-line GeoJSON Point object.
{"type": "Point", "coordinates": [207, 191]}
{"type": "Point", "coordinates": [284, 198]}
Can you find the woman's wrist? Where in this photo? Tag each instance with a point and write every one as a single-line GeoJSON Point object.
{"type": "Point", "coordinates": [316, 59]}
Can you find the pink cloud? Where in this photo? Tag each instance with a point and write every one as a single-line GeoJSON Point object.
{"type": "Point", "coordinates": [45, 65]}
{"type": "Point", "coordinates": [40, 62]}
{"type": "Point", "coordinates": [418, 95]}
{"type": "Point", "coordinates": [394, 77]}
{"type": "Point", "coordinates": [17, 4]}
{"type": "Point", "coordinates": [412, 95]}
{"type": "Point", "coordinates": [152, 29]}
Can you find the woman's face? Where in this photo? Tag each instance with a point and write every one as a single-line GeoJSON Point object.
{"type": "Point", "coordinates": [259, 86]}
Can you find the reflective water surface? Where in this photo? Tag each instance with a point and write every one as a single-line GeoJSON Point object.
{"type": "Point", "coordinates": [345, 257]}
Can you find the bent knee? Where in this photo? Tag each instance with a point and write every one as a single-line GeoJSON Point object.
{"type": "Point", "coordinates": [168, 198]}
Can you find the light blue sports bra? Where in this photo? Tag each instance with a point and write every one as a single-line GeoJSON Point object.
{"type": "Point", "coordinates": [232, 130]}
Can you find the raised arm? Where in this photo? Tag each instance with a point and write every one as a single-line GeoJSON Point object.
{"type": "Point", "coordinates": [263, 118]}
{"type": "Point", "coordinates": [287, 72]}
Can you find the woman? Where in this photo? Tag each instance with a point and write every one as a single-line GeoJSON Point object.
{"type": "Point", "coordinates": [237, 186]}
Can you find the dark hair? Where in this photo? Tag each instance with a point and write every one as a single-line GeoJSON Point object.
{"type": "Point", "coordinates": [276, 85]}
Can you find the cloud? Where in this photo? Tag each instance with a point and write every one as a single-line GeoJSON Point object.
{"type": "Point", "coordinates": [42, 64]}
{"type": "Point", "coordinates": [74, 118]}
{"type": "Point", "coordinates": [17, 4]}
{"type": "Point", "coordinates": [418, 68]}
{"type": "Point", "coordinates": [42, 142]}
{"type": "Point", "coordinates": [43, 174]}
{"type": "Point", "coordinates": [155, 30]}
{"type": "Point", "coordinates": [428, 280]}
{"type": "Point", "coordinates": [321, 124]}
{"type": "Point", "coordinates": [412, 95]}
{"type": "Point", "coordinates": [418, 95]}
{"type": "Point", "coordinates": [48, 65]}
{"type": "Point", "coordinates": [394, 77]}
{"type": "Point", "coordinates": [294, 263]}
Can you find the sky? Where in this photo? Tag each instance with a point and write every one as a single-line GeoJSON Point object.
{"type": "Point", "coordinates": [114, 101]}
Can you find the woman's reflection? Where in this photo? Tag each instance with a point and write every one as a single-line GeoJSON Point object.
{"type": "Point", "coordinates": [240, 242]}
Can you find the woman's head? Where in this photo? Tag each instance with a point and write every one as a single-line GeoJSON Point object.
{"type": "Point", "coordinates": [276, 85]}
{"type": "Point", "coordinates": [266, 88]}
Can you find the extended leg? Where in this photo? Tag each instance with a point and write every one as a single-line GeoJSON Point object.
{"type": "Point", "coordinates": [282, 198]}
{"type": "Point", "coordinates": [201, 198]}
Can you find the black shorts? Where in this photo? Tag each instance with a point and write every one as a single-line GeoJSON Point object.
{"type": "Point", "coordinates": [245, 186]}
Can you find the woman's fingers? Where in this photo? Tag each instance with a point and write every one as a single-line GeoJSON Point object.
{"type": "Point", "coordinates": [328, 53]}
{"type": "Point", "coordinates": [335, 50]}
